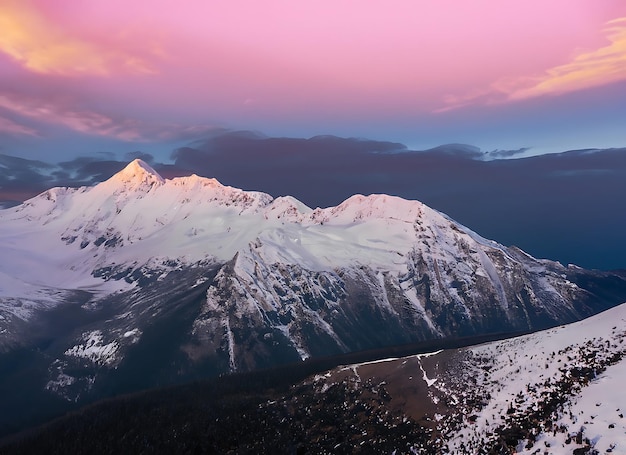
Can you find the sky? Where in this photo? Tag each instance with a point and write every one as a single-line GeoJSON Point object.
{"type": "Point", "coordinates": [108, 78]}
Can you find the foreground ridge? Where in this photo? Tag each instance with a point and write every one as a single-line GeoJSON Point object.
{"type": "Point", "coordinates": [556, 391]}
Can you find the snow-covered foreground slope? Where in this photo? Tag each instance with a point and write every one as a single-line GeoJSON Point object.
{"type": "Point", "coordinates": [558, 391]}
{"type": "Point", "coordinates": [549, 388]}
{"type": "Point", "coordinates": [94, 281]}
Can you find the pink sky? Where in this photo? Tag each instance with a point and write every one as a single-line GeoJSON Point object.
{"type": "Point", "coordinates": [160, 70]}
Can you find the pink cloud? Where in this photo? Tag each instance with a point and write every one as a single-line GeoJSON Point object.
{"type": "Point", "coordinates": [601, 66]}
{"type": "Point", "coordinates": [65, 113]}
{"type": "Point", "coordinates": [61, 112]}
{"type": "Point", "coordinates": [10, 127]}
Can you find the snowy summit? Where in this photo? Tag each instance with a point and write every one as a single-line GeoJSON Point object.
{"type": "Point", "coordinates": [138, 172]}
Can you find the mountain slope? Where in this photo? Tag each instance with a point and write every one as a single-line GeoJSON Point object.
{"type": "Point", "coordinates": [219, 279]}
{"type": "Point", "coordinates": [556, 391]}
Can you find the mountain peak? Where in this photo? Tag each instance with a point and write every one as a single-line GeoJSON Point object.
{"type": "Point", "coordinates": [138, 171]}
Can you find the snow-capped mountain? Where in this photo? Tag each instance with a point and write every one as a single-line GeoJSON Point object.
{"type": "Point", "coordinates": [219, 279]}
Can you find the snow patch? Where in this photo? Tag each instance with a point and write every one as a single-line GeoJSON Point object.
{"type": "Point", "coordinates": [94, 349]}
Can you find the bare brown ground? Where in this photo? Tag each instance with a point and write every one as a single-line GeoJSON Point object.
{"type": "Point", "coordinates": [402, 379]}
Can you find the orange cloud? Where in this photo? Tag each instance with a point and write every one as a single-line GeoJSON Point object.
{"type": "Point", "coordinates": [587, 70]}
{"type": "Point", "coordinates": [43, 47]}
{"type": "Point", "coordinates": [590, 69]}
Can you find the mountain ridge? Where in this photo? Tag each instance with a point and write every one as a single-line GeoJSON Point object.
{"type": "Point", "coordinates": [229, 280]}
